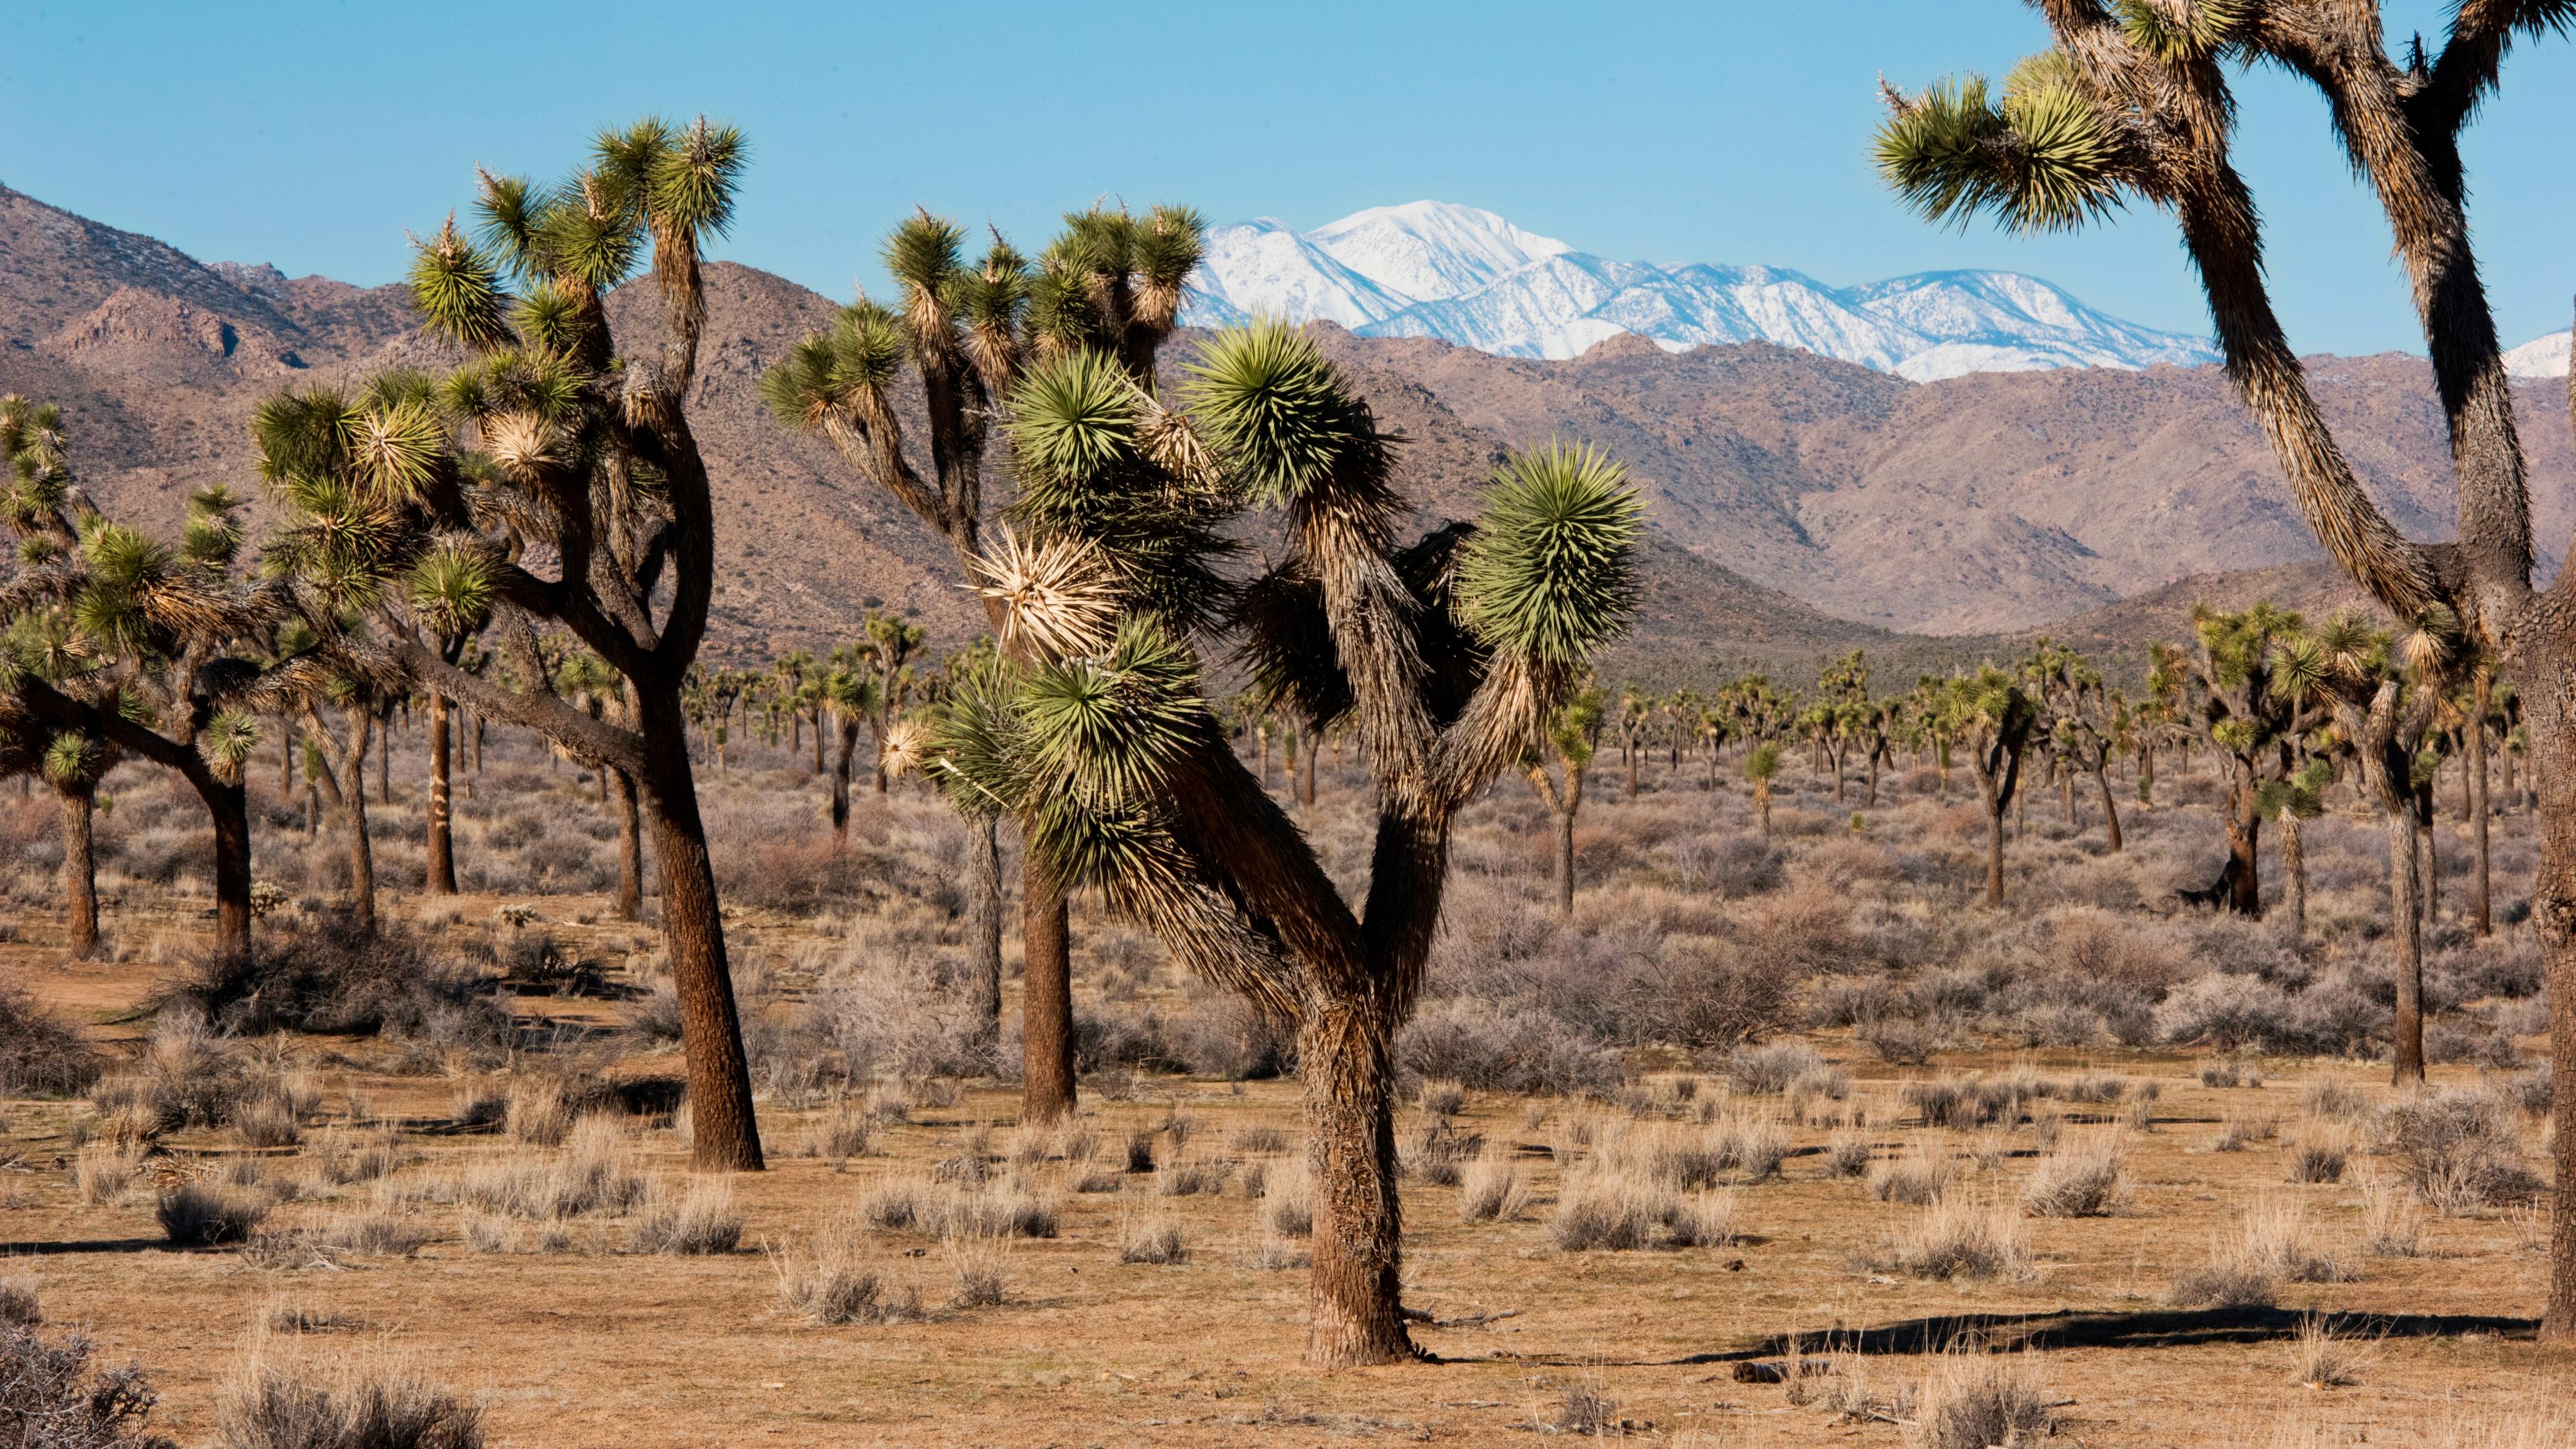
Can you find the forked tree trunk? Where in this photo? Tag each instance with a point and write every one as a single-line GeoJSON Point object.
{"type": "Point", "coordinates": [630, 848]}
{"type": "Point", "coordinates": [2110, 806]}
{"type": "Point", "coordinates": [80, 872]}
{"type": "Point", "coordinates": [2147, 775]}
{"type": "Point", "coordinates": [1354, 1293]}
{"type": "Point", "coordinates": [984, 925]}
{"type": "Point", "coordinates": [724, 1133]}
{"type": "Point", "coordinates": [1046, 998]}
{"type": "Point", "coordinates": [442, 843]}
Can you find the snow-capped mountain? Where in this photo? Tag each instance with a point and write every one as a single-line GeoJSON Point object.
{"type": "Point", "coordinates": [2540, 357]}
{"type": "Point", "coordinates": [1432, 269]}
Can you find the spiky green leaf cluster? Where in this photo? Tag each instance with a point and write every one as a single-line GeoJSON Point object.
{"type": "Point", "coordinates": [840, 375]}
{"type": "Point", "coordinates": [2041, 160]}
{"type": "Point", "coordinates": [1268, 401]}
{"type": "Point", "coordinates": [2179, 31]}
{"type": "Point", "coordinates": [457, 290]}
{"type": "Point", "coordinates": [1551, 573]}
{"type": "Point", "coordinates": [452, 589]}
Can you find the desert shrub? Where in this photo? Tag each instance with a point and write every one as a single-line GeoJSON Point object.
{"type": "Point", "coordinates": [20, 1304]}
{"type": "Point", "coordinates": [980, 1262]}
{"type": "Point", "coordinates": [1917, 1179]}
{"type": "Point", "coordinates": [2335, 1101]}
{"type": "Point", "coordinates": [1491, 1190]}
{"type": "Point", "coordinates": [538, 1115]}
{"type": "Point", "coordinates": [1620, 1209]}
{"type": "Point", "coordinates": [2318, 1157]}
{"type": "Point", "coordinates": [1157, 1240]}
{"type": "Point", "coordinates": [386, 1234]}
{"type": "Point", "coordinates": [594, 1173]}
{"type": "Point", "coordinates": [1976, 1400]}
{"type": "Point", "coordinates": [1222, 1035]}
{"type": "Point", "coordinates": [1903, 1035]}
{"type": "Point", "coordinates": [1505, 1049]}
{"type": "Point", "coordinates": [2392, 1226]}
{"type": "Point", "coordinates": [52, 1398]}
{"type": "Point", "coordinates": [1768, 1071]}
{"type": "Point", "coordinates": [2506, 966]}
{"type": "Point", "coordinates": [201, 1215]}
{"type": "Point", "coordinates": [1956, 1238]}
{"type": "Point", "coordinates": [1288, 1207]}
{"type": "Point", "coordinates": [2458, 1149]}
{"type": "Point", "coordinates": [273, 1405]}
{"type": "Point", "coordinates": [326, 976]}
{"type": "Point", "coordinates": [1711, 996]}
{"type": "Point", "coordinates": [701, 1220]}
{"type": "Point", "coordinates": [842, 1131]}
{"type": "Point", "coordinates": [833, 1286]}
{"type": "Point", "coordinates": [2084, 1182]}
{"type": "Point", "coordinates": [102, 1171]}
{"type": "Point", "coordinates": [39, 1056]}
{"type": "Point", "coordinates": [909, 1018]}
{"type": "Point", "coordinates": [1730, 867]}
{"type": "Point", "coordinates": [2534, 1090]}
{"type": "Point", "coordinates": [1847, 1155]}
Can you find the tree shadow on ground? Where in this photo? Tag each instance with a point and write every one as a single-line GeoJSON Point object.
{"type": "Point", "coordinates": [2154, 1328]}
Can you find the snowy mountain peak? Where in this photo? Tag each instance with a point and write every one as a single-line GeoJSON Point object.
{"type": "Point", "coordinates": [1469, 277]}
{"type": "Point", "coordinates": [2540, 357]}
{"type": "Point", "coordinates": [1431, 250]}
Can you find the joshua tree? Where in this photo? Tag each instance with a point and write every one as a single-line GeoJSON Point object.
{"type": "Point", "coordinates": [2382, 715]}
{"type": "Point", "coordinates": [1761, 767]}
{"type": "Point", "coordinates": [2135, 100]}
{"type": "Point", "coordinates": [2288, 802]}
{"type": "Point", "coordinates": [1111, 283]}
{"type": "Point", "coordinates": [2086, 723]}
{"type": "Point", "coordinates": [851, 696]}
{"type": "Point", "coordinates": [2253, 721]}
{"type": "Point", "coordinates": [161, 637]}
{"type": "Point", "coordinates": [1447, 657]}
{"type": "Point", "coordinates": [599, 691]}
{"type": "Point", "coordinates": [1572, 736]}
{"type": "Point", "coordinates": [1993, 716]}
{"type": "Point", "coordinates": [344, 784]}
{"type": "Point", "coordinates": [428, 503]}
{"type": "Point", "coordinates": [1636, 712]}
{"type": "Point", "coordinates": [886, 652]}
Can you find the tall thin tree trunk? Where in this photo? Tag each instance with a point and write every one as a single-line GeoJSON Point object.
{"type": "Point", "coordinates": [630, 849]}
{"type": "Point", "coordinates": [2147, 775]}
{"type": "Point", "coordinates": [2244, 877]}
{"type": "Point", "coordinates": [2549, 774]}
{"type": "Point", "coordinates": [1046, 998]}
{"type": "Point", "coordinates": [724, 1132]}
{"type": "Point", "coordinates": [984, 925]}
{"type": "Point", "coordinates": [442, 842]}
{"type": "Point", "coordinates": [1311, 753]}
{"type": "Point", "coordinates": [384, 765]}
{"type": "Point", "coordinates": [1994, 854]}
{"type": "Point", "coordinates": [1354, 1293]}
{"type": "Point", "coordinates": [2110, 807]}
{"type": "Point", "coordinates": [2409, 939]}
{"type": "Point", "coordinates": [2294, 868]}
{"type": "Point", "coordinates": [228, 809]}
{"type": "Point", "coordinates": [848, 745]}
{"type": "Point", "coordinates": [2432, 866]}
{"type": "Point", "coordinates": [2482, 919]}
{"type": "Point", "coordinates": [80, 871]}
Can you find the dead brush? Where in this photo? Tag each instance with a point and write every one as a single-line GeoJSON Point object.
{"type": "Point", "coordinates": [1958, 1238]}
{"type": "Point", "coordinates": [1188, 1178]}
{"type": "Point", "coordinates": [831, 1281]}
{"type": "Point", "coordinates": [2326, 1359]}
{"type": "Point", "coordinates": [981, 1263]}
{"type": "Point", "coordinates": [700, 1221]}
{"type": "Point", "coordinates": [840, 1132]}
{"type": "Point", "coordinates": [2319, 1155]}
{"type": "Point", "coordinates": [593, 1174]}
{"type": "Point", "coordinates": [2274, 1242]}
{"type": "Point", "coordinates": [102, 1172]}
{"type": "Point", "coordinates": [1442, 1099]}
{"type": "Point", "coordinates": [1975, 1400]}
{"type": "Point", "coordinates": [2089, 1180]}
{"type": "Point", "coordinates": [2392, 1225]}
{"type": "Point", "coordinates": [2335, 1101]}
{"type": "Point", "coordinates": [2458, 1149]}
{"type": "Point", "coordinates": [381, 1233]}
{"type": "Point", "coordinates": [1260, 1142]}
{"type": "Point", "coordinates": [341, 1157]}
{"type": "Point", "coordinates": [1439, 1152]}
{"type": "Point", "coordinates": [1848, 1154]}
{"type": "Point", "coordinates": [537, 1114]}
{"type": "Point", "coordinates": [272, 1403]}
{"type": "Point", "coordinates": [204, 1215]}
{"type": "Point", "coordinates": [21, 1305]}
{"type": "Point", "coordinates": [1917, 1179]}
{"type": "Point", "coordinates": [1157, 1239]}
{"type": "Point", "coordinates": [1621, 1209]}
{"type": "Point", "coordinates": [1491, 1190]}
{"type": "Point", "coordinates": [1288, 1209]}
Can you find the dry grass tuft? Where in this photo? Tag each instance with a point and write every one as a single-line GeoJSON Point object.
{"type": "Point", "coordinates": [1957, 1238]}
{"type": "Point", "coordinates": [2086, 1181]}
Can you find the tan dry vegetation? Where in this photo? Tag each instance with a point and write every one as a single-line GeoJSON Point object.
{"type": "Point", "coordinates": [509, 1205]}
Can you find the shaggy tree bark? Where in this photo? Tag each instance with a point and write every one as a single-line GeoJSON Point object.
{"type": "Point", "coordinates": [1046, 1000]}
{"type": "Point", "coordinates": [80, 870]}
{"type": "Point", "coordinates": [442, 845]}
{"type": "Point", "coordinates": [984, 925]}
{"type": "Point", "coordinates": [2481, 916]}
{"type": "Point", "coordinates": [344, 786]}
{"type": "Point", "coordinates": [630, 846]}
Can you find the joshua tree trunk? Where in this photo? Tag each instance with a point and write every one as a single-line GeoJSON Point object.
{"type": "Point", "coordinates": [80, 872]}
{"type": "Point", "coordinates": [849, 744]}
{"type": "Point", "coordinates": [1631, 753]}
{"type": "Point", "coordinates": [724, 1134]}
{"type": "Point", "coordinates": [384, 764]}
{"type": "Point", "coordinates": [2409, 939]}
{"type": "Point", "coordinates": [2110, 807]}
{"type": "Point", "coordinates": [2481, 918]}
{"type": "Point", "coordinates": [984, 924]}
{"type": "Point", "coordinates": [1354, 1313]}
{"type": "Point", "coordinates": [2549, 773]}
{"type": "Point", "coordinates": [630, 849]}
{"type": "Point", "coordinates": [2294, 867]}
{"type": "Point", "coordinates": [1869, 800]}
{"type": "Point", "coordinates": [1565, 859]}
{"type": "Point", "coordinates": [1762, 806]}
{"type": "Point", "coordinates": [346, 787]}
{"type": "Point", "coordinates": [2243, 878]}
{"type": "Point", "coordinates": [2147, 775]}
{"type": "Point", "coordinates": [1046, 998]}
{"type": "Point", "coordinates": [2432, 863]}
{"type": "Point", "coordinates": [442, 844]}
{"type": "Point", "coordinates": [1311, 753]}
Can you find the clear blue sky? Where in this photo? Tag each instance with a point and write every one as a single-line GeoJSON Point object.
{"type": "Point", "coordinates": [311, 134]}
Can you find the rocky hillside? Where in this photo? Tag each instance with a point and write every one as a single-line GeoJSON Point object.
{"type": "Point", "coordinates": [1801, 506]}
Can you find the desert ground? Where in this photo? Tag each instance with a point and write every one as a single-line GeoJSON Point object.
{"type": "Point", "coordinates": [1766, 1144]}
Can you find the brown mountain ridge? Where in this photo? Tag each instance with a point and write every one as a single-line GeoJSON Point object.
{"type": "Point", "coordinates": [1801, 506]}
